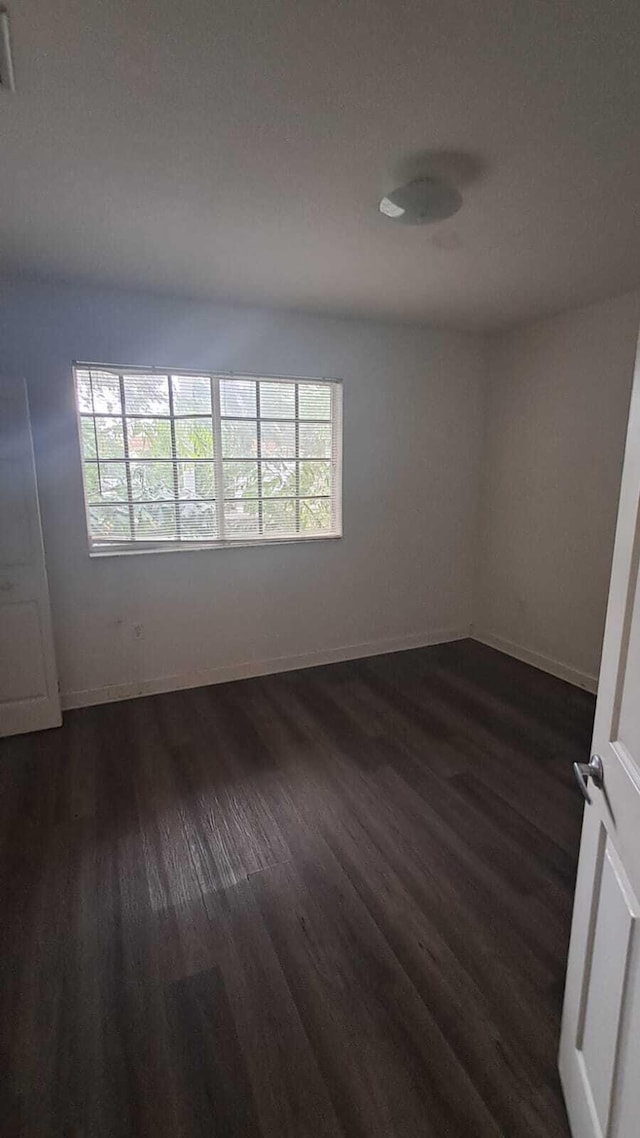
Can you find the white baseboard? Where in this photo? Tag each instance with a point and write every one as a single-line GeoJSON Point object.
{"type": "Point", "coordinates": [537, 660]}
{"type": "Point", "coordinates": [243, 671]}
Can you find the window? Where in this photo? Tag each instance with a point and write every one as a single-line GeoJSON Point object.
{"type": "Point", "coordinates": [177, 459]}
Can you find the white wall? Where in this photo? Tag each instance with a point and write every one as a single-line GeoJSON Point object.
{"type": "Point", "coordinates": [556, 415]}
{"type": "Point", "coordinates": [402, 574]}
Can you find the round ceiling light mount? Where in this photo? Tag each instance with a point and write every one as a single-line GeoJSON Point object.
{"type": "Point", "coordinates": [421, 202]}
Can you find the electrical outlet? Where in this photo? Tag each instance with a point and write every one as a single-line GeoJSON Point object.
{"type": "Point", "coordinates": [138, 632]}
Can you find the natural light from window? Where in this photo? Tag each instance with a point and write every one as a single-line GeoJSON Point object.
{"type": "Point", "coordinates": [174, 459]}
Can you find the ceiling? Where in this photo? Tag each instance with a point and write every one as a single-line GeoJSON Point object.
{"type": "Point", "coordinates": [237, 149]}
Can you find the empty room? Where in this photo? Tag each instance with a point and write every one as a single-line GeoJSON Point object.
{"type": "Point", "coordinates": [319, 554]}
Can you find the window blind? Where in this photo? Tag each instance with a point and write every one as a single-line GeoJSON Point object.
{"type": "Point", "coordinates": [172, 458]}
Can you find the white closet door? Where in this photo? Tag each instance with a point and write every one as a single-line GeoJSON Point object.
{"type": "Point", "coordinates": [600, 1042]}
{"type": "Point", "coordinates": [29, 699]}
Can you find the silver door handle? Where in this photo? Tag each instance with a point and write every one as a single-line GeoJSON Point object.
{"type": "Point", "coordinates": [594, 770]}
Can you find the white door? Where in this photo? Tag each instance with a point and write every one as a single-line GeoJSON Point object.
{"type": "Point", "coordinates": [29, 697]}
{"type": "Point", "coordinates": [600, 1040]}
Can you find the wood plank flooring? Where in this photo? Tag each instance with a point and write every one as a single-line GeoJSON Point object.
{"type": "Point", "coordinates": [329, 902]}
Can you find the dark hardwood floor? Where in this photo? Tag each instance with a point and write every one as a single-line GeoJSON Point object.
{"type": "Point", "coordinates": [330, 902]}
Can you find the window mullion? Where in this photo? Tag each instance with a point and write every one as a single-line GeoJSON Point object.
{"type": "Point", "coordinates": [217, 452]}
{"type": "Point", "coordinates": [174, 454]}
{"type": "Point", "coordinates": [297, 452]}
{"type": "Point", "coordinates": [95, 432]}
{"type": "Point", "coordinates": [259, 463]}
{"type": "Point", "coordinates": [335, 504]}
{"type": "Point", "coordinates": [127, 461]}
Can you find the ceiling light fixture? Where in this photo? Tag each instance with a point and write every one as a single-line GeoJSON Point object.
{"type": "Point", "coordinates": [421, 202]}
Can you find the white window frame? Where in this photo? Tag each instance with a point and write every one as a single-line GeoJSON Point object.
{"type": "Point", "coordinates": [135, 547]}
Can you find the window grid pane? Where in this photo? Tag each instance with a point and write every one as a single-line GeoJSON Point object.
{"type": "Point", "coordinates": [160, 449]}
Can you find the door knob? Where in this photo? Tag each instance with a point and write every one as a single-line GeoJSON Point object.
{"type": "Point", "coordinates": [594, 770]}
